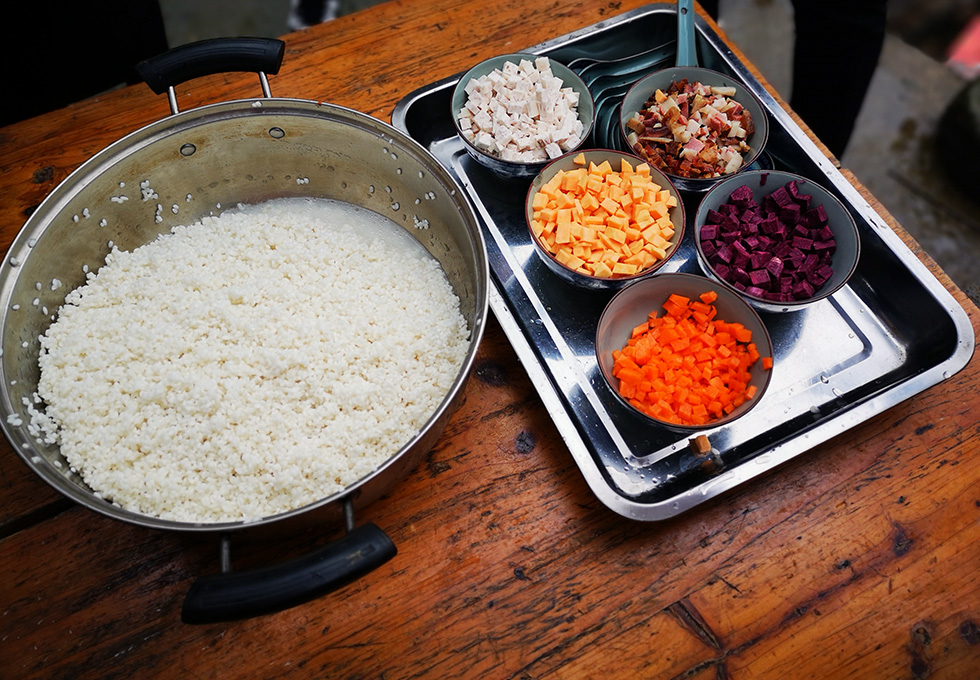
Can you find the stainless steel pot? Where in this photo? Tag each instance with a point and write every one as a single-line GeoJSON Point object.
{"type": "Point", "coordinates": [195, 163]}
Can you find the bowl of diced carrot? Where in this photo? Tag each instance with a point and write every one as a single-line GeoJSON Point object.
{"type": "Point", "coordinates": [684, 352]}
{"type": "Point", "coordinates": [603, 219]}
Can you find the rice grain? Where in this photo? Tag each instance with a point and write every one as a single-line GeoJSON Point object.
{"type": "Point", "coordinates": [250, 363]}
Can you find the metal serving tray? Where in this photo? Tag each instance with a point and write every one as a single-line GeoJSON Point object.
{"type": "Point", "coordinates": [892, 332]}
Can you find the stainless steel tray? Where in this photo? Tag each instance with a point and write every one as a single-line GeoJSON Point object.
{"type": "Point", "coordinates": [892, 332]}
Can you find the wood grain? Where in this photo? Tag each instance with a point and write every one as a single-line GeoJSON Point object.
{"type": "Point", "coordinates": [854, 560]}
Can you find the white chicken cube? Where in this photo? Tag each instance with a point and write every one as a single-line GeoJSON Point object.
{"type": "Point", "coordinates": [524, 109]}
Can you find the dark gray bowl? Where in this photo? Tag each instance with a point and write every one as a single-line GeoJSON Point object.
{"type": "Point", "coordinates": [632, 305]}
{"type": "Point", "coordinates": [512, 169]}
{"type": "Point", "coordinates": [662, 79]}
{"type": "Point", "coordinates": [597, 156]}
{"type": "Point", "coordinates": [762, 183]}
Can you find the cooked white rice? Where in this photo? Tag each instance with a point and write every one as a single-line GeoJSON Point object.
{"type": "Point", "coordinates": [251, 363]}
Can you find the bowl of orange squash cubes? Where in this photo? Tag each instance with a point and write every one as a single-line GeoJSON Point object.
{"type": "Point", "coordinates": [603, 219]}
{"type": "Point", "coordinates": [684, 352]}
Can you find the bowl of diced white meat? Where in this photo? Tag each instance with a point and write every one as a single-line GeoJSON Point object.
{"type": "Point", "coordinates": [517, 112]}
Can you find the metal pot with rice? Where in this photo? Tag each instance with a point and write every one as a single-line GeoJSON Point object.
{"type": "Point", "coordinates": [275, 280]}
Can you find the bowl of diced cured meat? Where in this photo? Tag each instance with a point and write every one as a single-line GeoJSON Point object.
{"type": "Point", "coordinates": [778, 239]}
{"type": "Point", "coordinates": [517, 112]}
{"type": "Point", "coordinates": [695, 124]}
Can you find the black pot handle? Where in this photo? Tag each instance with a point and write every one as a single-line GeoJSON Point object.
{"type": "Point", "coordinates": [208, 57]}
{"type": "Point", "coordinates": [240, 595]}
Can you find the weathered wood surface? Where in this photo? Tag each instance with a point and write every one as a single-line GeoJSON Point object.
{"type": "Point", "coordinates": [855, 560]}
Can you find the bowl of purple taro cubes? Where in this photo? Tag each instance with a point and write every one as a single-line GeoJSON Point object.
{"type": "Point", "coordinates": [778, 239]}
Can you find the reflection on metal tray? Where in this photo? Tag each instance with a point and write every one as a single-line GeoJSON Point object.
{"type": "Point", "coordinates": [890, 333]}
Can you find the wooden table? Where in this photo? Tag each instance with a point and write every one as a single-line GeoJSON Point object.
{"type": "Point", "coordinates": [857, 560]}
